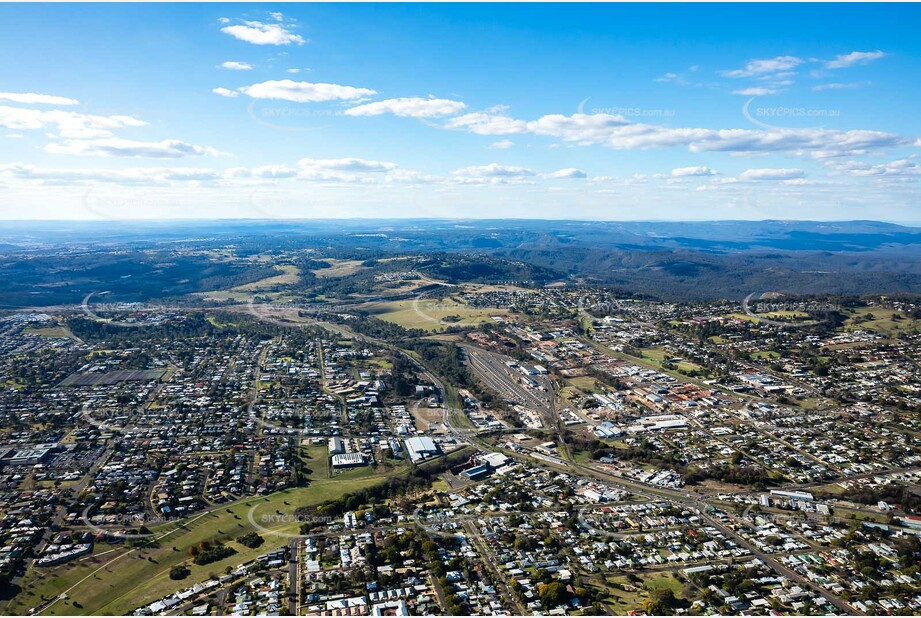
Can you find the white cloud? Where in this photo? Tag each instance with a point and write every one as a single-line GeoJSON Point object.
{"type": "Point", "coordinates": [843, 61]}
{"type": "Point", "coordinates": [502, 144]}
{"type": "Point", "coordinates": [488, 123]}
{"type": "Point", "coordinates": [224, 92]}
{"type": "Point", "coordinates": [116, 147]}
{"type": "Point", "coordinates": [259, 33]}
{"type": "Point", "coordinates": [236, 66]}
{"type": "Point", "coordinates": [494, 170]}
{"type": "Point", "coordinates": [569, 172]}
{"type": "Point", "coordinates": [348, 165]}
{"type": "Point", "coordinates": [771, 174]}
{"type": "Point", "coordinates": [668, 77]}
{"type": "Point", "coordinates": [762, 67]}
{"type": "Point", "coordinates": [304, 92]}
{"type": "Point", "coordinates": [412, 107]}
{"type": "Point", "coordinates": [32, 98]}
{"type": "Point", "coordinates": [126, 176]}
{"type": "Point", "coordinates": [409, 177]}
{"type": "Point", "coordinates": [67, 124]}
{"type": "Point", "coordinates": [755, 92]}
{"type": "Point", "coordinates": [697, 170]}
{"type": "Point", "coordinates": [839, 86]}
{"type": "Point", "coordinates": [274, 171]}
{"type": "Point", "coordinates": [348, 170]}
{"type": "Point", "coordinates": [901, 168]}
{"type": "Point", "coordinates": [619, 133]}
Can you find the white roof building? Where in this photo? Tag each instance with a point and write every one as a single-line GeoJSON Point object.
{"type": "Point", "coordinates": [421, 448]}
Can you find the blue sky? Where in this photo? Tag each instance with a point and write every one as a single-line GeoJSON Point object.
{"type": "Point", "coordinates": [552, 111]}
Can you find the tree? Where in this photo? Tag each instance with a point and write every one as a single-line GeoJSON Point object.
{"type": "Point", "coordinates": [553, 594]}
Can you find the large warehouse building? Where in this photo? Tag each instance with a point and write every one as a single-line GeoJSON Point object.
{"type": "Point", "coordinates": [421, 448]}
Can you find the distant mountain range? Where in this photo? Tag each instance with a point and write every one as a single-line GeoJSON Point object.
{"type": "Point", "coordinates": [667, 260]}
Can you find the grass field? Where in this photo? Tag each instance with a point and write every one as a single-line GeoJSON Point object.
{"type": "Point", "coordinates": [622, 596]}
{"type": "Point", "coordinates": [660, 355]}
{"type": "Point", "coordinates": [430, 313]}
{"type": "Point", "coordinates": [54, 332]}
{"type": "Point", "coordinates": [586, 384]}
{"type": "Point", "coordinates": [339, 268]}
{"type": "Point", "coordinates": [289, 276]}
{"type": "Point", "coordinates": [119, 581]}
{"type": "Point", "coordinates": [879, 319]}
{"type": "Point", "coordinates": [742, 316]}
{"type": "Point", "coordinates": [786, 315]}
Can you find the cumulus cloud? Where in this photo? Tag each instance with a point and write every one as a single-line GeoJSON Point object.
{"type": "Point", "coordinates": [304, 92]}
{"type": "Point", "coordinates": [224, 92]}
{"type": "Point", "coordinates": [32, 98]}
{"type": "Point", "coordinates": [843, 61]}
{"type": "Point", "coordinates": [767, 66]}
{"type": "Point", "coordinates": [409, 107]}
{"type": "Point", "coordinates": [494, 170]}
{"type": "Point", "coordinates": [696, 170]}
{"type": "Point", "coordinates": [67, 124]}
{"type": "Point", "coordinates": [569, 172]}
{"type": "Point", "coordinates": [116, 147]}
{"type": "Point", "coordinates": [259, 33]}
{"type": "Point", "coordinates": [502, 144]}
{"type": "Point", "coordinates": [236, 66]}
{"type": "Point", "coordinates": [771, 174]}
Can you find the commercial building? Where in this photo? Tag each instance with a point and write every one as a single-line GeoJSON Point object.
{"type": "Point", "coordinates": [421, 448]}
{"type": "Point", "coordinates": [348, 460]}
{"type": "Point", "coordinates": [336, 446]}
